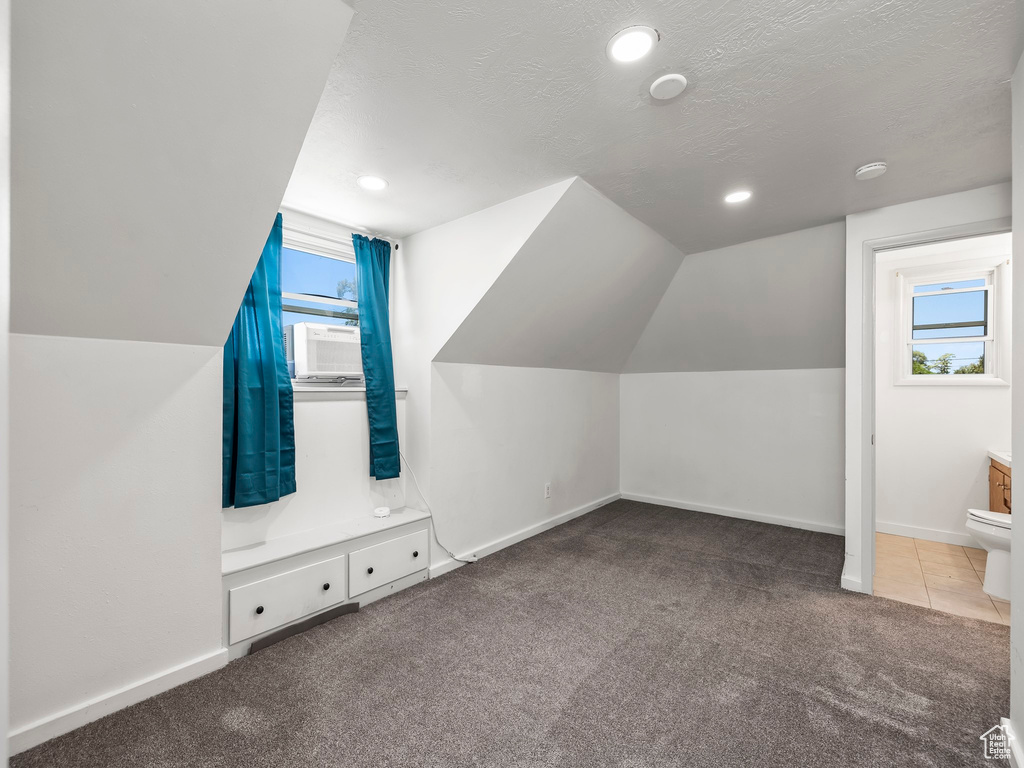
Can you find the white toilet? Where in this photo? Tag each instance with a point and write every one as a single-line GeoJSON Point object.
{"type": "Point", "coordinates": [992, 531]}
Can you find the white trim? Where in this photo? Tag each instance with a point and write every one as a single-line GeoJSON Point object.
{"type": "Point", "coordinates": [908, 278]}
{"type": "Point", "coordinates": [298, 219]}
{"type": "Point", "coordinates": [44, 729]}
{"type": "Point", "coordinates": [928, 534]}
{"type": "Point", "coordinates": [315, 299]}
{"type": "Point", "coordinates": [319, 244]}
{"type": "Point", "coordinates": [306, 390]}
{"type": "Point", "coordinates": [759, 517]}
{"type": "Point", "coordinates": [449, 564]}
{"type": "Point", "coordinates": [851, 583]}
{"type": "Point", "coordinates": [1016, 750]}
{"type": "Point", "coordinates": [953, 380]}
{"type": "Point", "coordinates": [861, 259]}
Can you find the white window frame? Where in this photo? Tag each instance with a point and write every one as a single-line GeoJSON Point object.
{"type": "Point", "coordinates": [910, 278]}
{"type": "Point", "coordinates": [319, 239]}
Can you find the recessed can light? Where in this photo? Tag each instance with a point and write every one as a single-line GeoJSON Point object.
{"type": "Point", "coordinates": [870, 171]}
{"type": "Point", "coordinates": [738, 196]}
{"type": "Point", "coordinates": [372, 183]}
{"type": "Point", "coordinates": [632, 44]}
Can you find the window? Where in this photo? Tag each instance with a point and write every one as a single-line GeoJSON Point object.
{"type": "Point", "coordinates": [948, 326]}
{"type": "Point", "coordinates": [318, 278]}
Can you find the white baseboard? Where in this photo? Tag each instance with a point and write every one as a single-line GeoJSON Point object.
{"type": "Point", "coordinates": [506, 541]}
{"type": "Point", "coordinates": [760, 517]}
{"type": "Point", "coordinates": [44, 729]}
{"type": "Point", "coordinates": [852, 583]}
{"type": "Point", "coordinates": [929, 534]}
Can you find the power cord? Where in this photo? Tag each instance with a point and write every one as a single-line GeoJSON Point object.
{"type": "Point", "coordinates": [433, 519]}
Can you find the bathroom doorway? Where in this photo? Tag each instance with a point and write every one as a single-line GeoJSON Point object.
{"type": "Point", "coordinates": [942, 351]}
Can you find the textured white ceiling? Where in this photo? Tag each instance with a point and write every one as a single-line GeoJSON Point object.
{"type": "Point", "coordinates": [465, 104]}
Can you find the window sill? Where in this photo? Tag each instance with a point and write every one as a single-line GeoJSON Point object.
{"type": "Point", "coordinates": [939, 380]}
{"type": "Point", "coordinates": [308, 391]}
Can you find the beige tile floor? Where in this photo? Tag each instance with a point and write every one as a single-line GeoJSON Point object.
{"type": "Point", "coordinates": [945, 577]}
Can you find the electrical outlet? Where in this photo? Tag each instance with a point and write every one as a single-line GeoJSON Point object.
{"type": "Point", "coordinates": [547, 490]}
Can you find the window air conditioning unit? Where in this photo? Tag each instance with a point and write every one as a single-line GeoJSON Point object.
{"type": "Point", "coordinates": [318, 351]}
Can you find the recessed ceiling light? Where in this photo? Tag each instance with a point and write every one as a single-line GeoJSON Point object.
{"type": "Point", "coordinates": [668, 86]}
{"type": "Point", "coordinates": [870, 171]}
{"type": "Point", "coordinates": [738, 196]}
{"type": "Point", "coordinates": [372, 183]}
{"type": "Point", "coordinates": [632, 43]}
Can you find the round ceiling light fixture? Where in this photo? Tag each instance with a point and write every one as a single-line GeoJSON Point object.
{"type": "Point", "coordinates": [372, 183]}
{"type": "Point", "coordinates": [870, 171]}
{"type": "Point", "coordinates": [739, 196]}
{"type": "Point", "coordinates": [632, 44]}
{"type": "Point", "coordinates": [668, 86]}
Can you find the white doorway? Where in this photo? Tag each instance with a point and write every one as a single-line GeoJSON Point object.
{"type": "Point", "coordinates": [962, 215]}
{"type": "Point", "coordinates": [942, 347]}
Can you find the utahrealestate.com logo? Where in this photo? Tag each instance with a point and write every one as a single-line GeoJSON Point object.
{"type": "Point", "coordinates": [996, 741]}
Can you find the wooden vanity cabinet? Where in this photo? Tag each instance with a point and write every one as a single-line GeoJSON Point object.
{"type": "Point", "coordinates": [998, 487]}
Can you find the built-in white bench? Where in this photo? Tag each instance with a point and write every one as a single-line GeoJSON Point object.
{"type": "Point", "coordinates": [280, 582]}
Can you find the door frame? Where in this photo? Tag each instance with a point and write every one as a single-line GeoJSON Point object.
{"type": "Point", "coordinates": [858, 571]}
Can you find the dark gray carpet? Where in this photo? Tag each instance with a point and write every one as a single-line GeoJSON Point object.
{"type": "Point", "coordinates": [635, 636]}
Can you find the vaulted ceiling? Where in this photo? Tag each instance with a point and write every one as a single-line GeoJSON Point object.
{"type": "Point", "coordinates": [462, 105]}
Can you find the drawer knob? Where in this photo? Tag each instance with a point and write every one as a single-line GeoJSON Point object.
{"type": "Point", "coordinates": [327, 585]}
{"type": "Point", "coordinates": [415, 553]}
{"type": "Point", "coordinates": [259, 609]}
{"type": "Point", "coordinates": [370, 569]}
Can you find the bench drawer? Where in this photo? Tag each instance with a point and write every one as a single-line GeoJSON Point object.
{"type": "Point", "coordinates": [268, 604]}
{"type": "Point", "coordinates": [381, 564]}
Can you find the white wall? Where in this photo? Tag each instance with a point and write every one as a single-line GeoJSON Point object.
{"type": "Point", "coordinates": [1017, 544]}
{"type": "Point", "coordinates": [526, 425]}
{"type": "Point", "coordinates": [332, 459]}
{"type": "Point", "coordinates": [439, 276]}
{"type": "Point", "coordinates": [770, 303]}
{"type": "Point", "coordinates": [918, 221]}
{"type": "Point", "coordinates": [577, 294]}
{"type": "Point", "coordinates": [762, 445]}
{"type": "Point", "coordinates": [152, 144]}
{"type": "Point", "coordinates": [115, 519]}
{"type": "Point", "coordinates": [501, 433]}
{"type": "Point", "coordinates": [931, 441]}
{"type": "Point", "coordinates": [732, 398]}
{"type": "Point", "coordinates": [5, 305]}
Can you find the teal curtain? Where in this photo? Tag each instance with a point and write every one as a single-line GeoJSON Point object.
{"type": "Point", "coordinates": [373, 266]}
{"type": "Point", "coordinates": [259, 431]}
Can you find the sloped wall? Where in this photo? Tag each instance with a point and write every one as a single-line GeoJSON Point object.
{"type": "Point", "coordinates": [146, 174]}
{"type": "Point", "coordinates": [577, 295]}
{"type": "Point", "coordinates": [775, 303]}
{"type": "Point", "coordinates": [732, 400]}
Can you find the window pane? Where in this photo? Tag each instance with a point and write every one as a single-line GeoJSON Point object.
{"type": "Point", "coordinates": [308, 273]}
{"type": "Point", "coordinates": [950, 286]}
{"type": "Point", "coordinates": [958, 357]}
{"type": "Point", "coordinates": [950, 333]}
{"type": "Point", "coordinates": [290, 318]}
{"type": "Point", "coordinates": [942, 309]}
